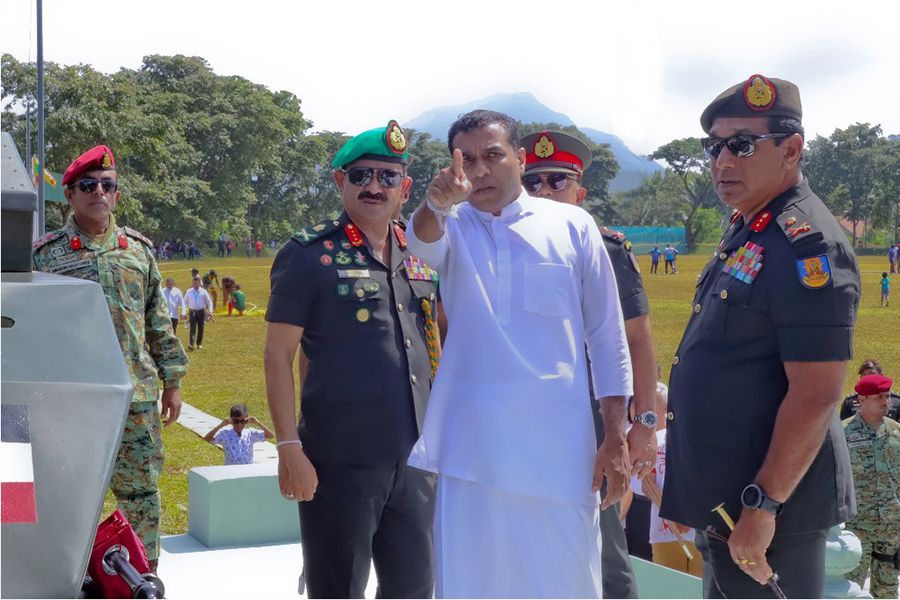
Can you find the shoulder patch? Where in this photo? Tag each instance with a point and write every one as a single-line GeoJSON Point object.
{"type": "Point", "coordinates": [46, 239]}
{"type": "Point", "coordinates": [138, 236]}
{"type": "Point", "coordinates": [814, 271]}
{"type": "Point", "coordinates": [616, 236]}
{"type": "Point", "coordinates": [797, 226]}
{"type": "Point", "coordinates": [308, 234]}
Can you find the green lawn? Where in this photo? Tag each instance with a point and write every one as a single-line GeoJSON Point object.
{"type": "Point", "coordinates": [229, 369]}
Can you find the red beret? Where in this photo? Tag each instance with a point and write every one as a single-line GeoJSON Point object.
{"type": "Point", "coordinates": [98, 157]}
{"type": "Point", "coordinates": [873, 384]}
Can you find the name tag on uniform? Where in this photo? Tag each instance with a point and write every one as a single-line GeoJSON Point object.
{"type": "Point", "coordinates": [859, 444]}
{"type": "Point", "coordinates": [71, 266]}
{"type": "Point", "coordinates": [353, 273]}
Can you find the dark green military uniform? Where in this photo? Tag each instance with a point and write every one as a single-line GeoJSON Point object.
{"type": "Point", "coordinates": [783, 287]}
{"type": "Point", "coordinates": [875, 456]}
{"type": "Point", "coordinates": [370, 335]}
{"type": "Point", "coordinates": [122, 262]}
{"type": "Point", "coordinates": [848, 411]}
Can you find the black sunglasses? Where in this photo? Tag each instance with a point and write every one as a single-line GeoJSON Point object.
{"type": "Point", "coordinates": [89, 185]}
{"type": "Point", "coordinates": [362, 176]}
{"type": "Point", "coordinates": [240, 421]}
{"type": "Point", "coordinates": [557, 181]}
{"type": "Point", "coordinates": [741, 146]}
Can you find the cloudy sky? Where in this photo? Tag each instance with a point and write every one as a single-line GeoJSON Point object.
{"type": "Point", "coordinates": [641, 70]}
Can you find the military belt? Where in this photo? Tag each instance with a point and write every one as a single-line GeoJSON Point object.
{"type": "Point", "coordinates": [893, 559]}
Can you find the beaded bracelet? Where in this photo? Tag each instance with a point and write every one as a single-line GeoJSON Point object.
{"type": "Point", "coordinates": [280, 444]}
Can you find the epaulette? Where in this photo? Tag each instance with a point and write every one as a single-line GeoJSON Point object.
{"type": "Point", "coordinates": [399, 228]}
{"type": "Point", "coordinates": [798, 226]}
{"type": "Point", "coordinates": [616, 236]}
{"type": "Point", "coordinates": [308, 234]}
{"type": "Point", "coordinates": [138, 236]}
{"type": "Point", "coordinates": [43, 241]}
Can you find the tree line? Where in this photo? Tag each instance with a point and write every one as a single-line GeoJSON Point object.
{"type": "Point", "coordinates": [200, 153]}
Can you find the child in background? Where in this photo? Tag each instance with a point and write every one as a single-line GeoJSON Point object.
{"type": "Point", "coordinates": [238, 301]}
{"type": "Point", "coordinates": [237, 442]}
{"type": "Point", "coordinates": [885, 289]}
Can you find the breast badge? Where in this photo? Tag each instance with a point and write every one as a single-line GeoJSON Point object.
{"type": "Point", "coordinates": [814, 272]}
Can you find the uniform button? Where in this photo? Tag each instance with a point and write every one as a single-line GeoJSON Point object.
{"type": "Point", "coordinates": [408, 344]}
{"type": "Point", "coordinates": [360, 294]}
{"type": "Point", "coordinates": [723, 294]}
{"type": "Point", "coordinates": [670, 416]}
{"type": "Point", "coordinates": [399, 307]}
{"type": "Point", "coordinates": [432, 297]}
{"type": "Point", "coordinates": [697, 308]}
{"type": "Point", "coordinates": [675, 361]}
{"type": "Point", "coordinates": [414, 379]}
{"type": "Point", "coordinates": [723, 256]}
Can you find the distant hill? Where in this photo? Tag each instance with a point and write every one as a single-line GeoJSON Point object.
{"type": "Point", "coordinates": [524, 107]}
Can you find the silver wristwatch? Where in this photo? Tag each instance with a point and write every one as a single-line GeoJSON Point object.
{"type": "Point", "coordinates": [647, 419]}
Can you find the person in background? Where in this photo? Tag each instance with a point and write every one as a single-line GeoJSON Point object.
{"type": "Point", "coordinates": [894, 257]}
{"type": "Point", "coordinates": [272, 245]}
{"type": "Point", "coordinates": [175, 302]}
{"type": "Point", "coordinates": [238, 441]}
{"type": "Point", "coordinates": [238, 301]}
{"type": "Point", "coordinates": [885, 290]}
{"type": "Point", "coordinates": [874, 443]}
{"type": "Point", "coordinates": [670, 253]}
{"type": "Point", "coordinates": [258, 247]}
{"type": "Point", "coordinates": [851, 403]}
{"type": "Point", "coordinates": [654, 260]}
{"type": "Point", "coordinates": [211, 285]}
{"type": "Point", "coordinates": [198, 303]}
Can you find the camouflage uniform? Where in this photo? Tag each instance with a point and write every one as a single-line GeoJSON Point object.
{"type": "Point", "coordinates": [875, 457]}
{"type": "Point", "coordinates": [122, 262]}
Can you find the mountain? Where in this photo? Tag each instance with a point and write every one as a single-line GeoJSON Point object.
{"type": "Point", "coordinates": [524, 107]}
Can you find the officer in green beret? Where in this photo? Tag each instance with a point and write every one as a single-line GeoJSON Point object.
{"type": "Point", "coordinates": [752, 422]}
{"type": "Point", "coordinates": [363, 312]}
{"type": "Point", "coordinates": [554, 165]}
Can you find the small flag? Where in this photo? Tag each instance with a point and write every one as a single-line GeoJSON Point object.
{"type": "Point", "coordinates": [17, 504]}
{"type": "Point", "coordinates": [48, 176]}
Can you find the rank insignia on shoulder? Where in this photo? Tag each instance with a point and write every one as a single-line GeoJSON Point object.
{"type": "Point", "coordinates": [328, 244]}
{"type": "Point", "coordinates": [814, 272]}
{"type": "Point", "coordinates": [138, 236]}
{"type": "Point", "coordinates": [318, 228]}
{"type": "Point", "coordinates": [418, 270]}
{"type": "Point", "coordinates": [306, 235]}
{"type": "Point", "coordinates": [797, 226]}
{"type": "Point", "coordinates": [400, 235]}
{"type": "Point", "coordinates": [745, 263]}
{"type": "Point", "coordinates": [611, 234]}
{"type": "Point", "coordinates": [47, 238]}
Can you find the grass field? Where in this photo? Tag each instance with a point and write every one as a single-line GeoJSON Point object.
{"type": "Point", "coordinates": [229, 369]}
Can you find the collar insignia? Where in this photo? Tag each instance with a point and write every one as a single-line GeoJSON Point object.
{"type": "Point", "coordinates": [761, 221]}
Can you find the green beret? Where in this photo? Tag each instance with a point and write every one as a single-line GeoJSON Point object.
{"type": "Point", "coordinates": [387, 144]}
{"type": "Point", "coordinates": [555, 151]}
{"type": "Point", "coordinates": [756, 97]}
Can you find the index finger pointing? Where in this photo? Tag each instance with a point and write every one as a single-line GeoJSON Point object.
{"type": "Point", "coordinates": [458, 164]}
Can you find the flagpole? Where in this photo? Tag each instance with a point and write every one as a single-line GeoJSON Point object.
{"type": "Point", "coordinates": [40, 107]}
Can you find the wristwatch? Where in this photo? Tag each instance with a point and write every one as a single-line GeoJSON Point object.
{"type": "Point", "coordinates": [647, 419]}
{"type": "Point", "coordinates": [753, 496]}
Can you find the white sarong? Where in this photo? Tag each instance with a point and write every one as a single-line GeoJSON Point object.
{"type": "Point", "coordinates": [489, 543]}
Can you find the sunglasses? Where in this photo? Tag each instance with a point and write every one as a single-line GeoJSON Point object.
{"type": "Point", "coordinates": [362, 176]}
{"type": "Point", "coordinates": [89, 185]}
{"type": "Point", "coordinates": [741, 146]}
{"type": "Point", "coordinates": [240, 421]}
{"type": "Point", "coordinates": [557, 181]}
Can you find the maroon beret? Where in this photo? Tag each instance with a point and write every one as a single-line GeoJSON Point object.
{"type": "Point", "coordinates": [873, 384]}
{"type": "Point", "coordinates": [98, 157]}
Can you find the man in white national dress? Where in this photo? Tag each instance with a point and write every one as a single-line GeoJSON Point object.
{"type": "Point", "coordinates": [509, 426]}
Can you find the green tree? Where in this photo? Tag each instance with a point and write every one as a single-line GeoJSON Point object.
{"type": "Point", "coordinates": [427, 156]}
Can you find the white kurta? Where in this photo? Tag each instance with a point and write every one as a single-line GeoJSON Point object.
{"type": "Point", "coordinates": [524, 293]}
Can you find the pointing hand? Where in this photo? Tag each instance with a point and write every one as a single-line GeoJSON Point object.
{"type": "Point", "coordinates": [450, 186]}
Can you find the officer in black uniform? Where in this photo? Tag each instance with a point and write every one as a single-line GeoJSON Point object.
{"type": "Point", "coordinates": [752, 421]}
{"type": "Point", "coordinates": [362, 309]}
{"type": "Point", "coordinates": [554, 164]}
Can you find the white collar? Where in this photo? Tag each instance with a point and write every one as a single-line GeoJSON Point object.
{"type": "Point", "coordinates": [508, 211]}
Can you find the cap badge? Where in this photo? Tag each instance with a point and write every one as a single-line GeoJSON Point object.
{"type": "Point", "coordinates": [105, 162]}
{"type": "Point", "coordinates": [544, 147]}
{"type": "Point", "coordinates": [395, 138]}
{"type": "Point", "coordinates": [759, 93]}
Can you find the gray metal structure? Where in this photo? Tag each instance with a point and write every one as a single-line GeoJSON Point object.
{"type": "Point", "coordinates": [60, 358]}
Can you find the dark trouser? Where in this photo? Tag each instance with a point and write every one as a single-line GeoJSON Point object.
{"type": "Point", "coordinates": [672, 263]}
{"type": "Point", "coordinates": [221, 249]}
{"type": "Point", "coordinates": [798, 559]}
{"type": "Point", "coordinates": [381, 513]}
{"type": "Point", "coordinates": [654, 267]}
{"type": "Point", "coordinates": [616, 573]}
{"type": "Point", "coordinates": [174, 323]}
{"type": "Point", "coordinates": [198, 320]}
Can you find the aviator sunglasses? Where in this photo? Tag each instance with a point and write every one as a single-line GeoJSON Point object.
{"type": "Point", "coordinates": [740, 146]}
{"type": "Point", "coordinates": [89, 185]}
{"type": "Point", "coordinates": [362, 176]}
{"type": "Point", "coordinates": [557, 181]}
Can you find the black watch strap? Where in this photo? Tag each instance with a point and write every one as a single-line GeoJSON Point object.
{"type": "Point", "coordinates": [760, 500]}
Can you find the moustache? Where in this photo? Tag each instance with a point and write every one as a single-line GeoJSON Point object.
{"type": "Point", "coordinates": [370, 196]}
